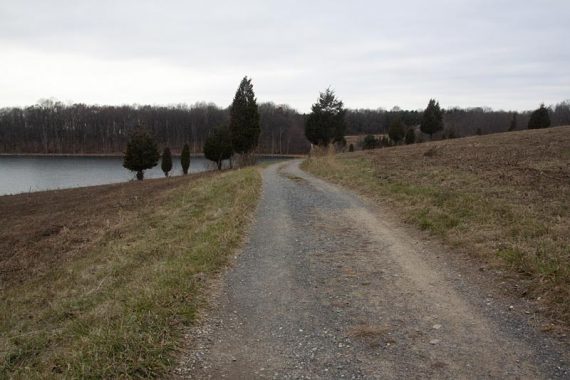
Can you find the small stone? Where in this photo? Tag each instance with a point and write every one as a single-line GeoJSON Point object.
{"type": "Point", "coordinates": [511, 307]}
{"type": "Point", "coordinates": [436, 327]}
{"type": "Point", "coordinates": [434, 341]}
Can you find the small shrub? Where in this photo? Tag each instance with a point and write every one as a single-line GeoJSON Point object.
{"type": "Point", "coordinates": [410, 136]}
{"type": "Point", "coordinates": [370, 142]}
{"type": "Point", "coordinates": [185, 158]}
{"type": "Point", "coordinates": [166, 164]}
{"type": "Point", "coordinates": [142, 153]}
{"type": "Point", "coordinates": [218, 146]}
{"type": "Point", "coordinates": [396, 131]}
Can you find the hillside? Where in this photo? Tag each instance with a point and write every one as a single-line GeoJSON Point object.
{"type": "Point", "coordinates": [503, 198]}
{"type": "Point", "coordinates": [100, 282]}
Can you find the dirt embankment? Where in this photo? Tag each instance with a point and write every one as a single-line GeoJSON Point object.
{"type": "Point", "coordinates": [98, 282]}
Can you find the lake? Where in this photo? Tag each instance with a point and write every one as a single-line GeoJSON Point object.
{"type": "Point", "coordinates": [20, 174]}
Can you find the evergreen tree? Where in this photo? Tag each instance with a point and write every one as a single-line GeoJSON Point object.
{"type": "Point", "coordinates": [410, 136]}
{"type": "Point", "coordinates": [244, 119]}
{"type": "Point", "coordinates": [218, 146]}
{"type": "Point", "coordinates": [166, 164]}
{"type": "Point", "coordinates": [185, 158]}
{"type": "Point", "coordinates": [325, 124]}
{"type": "Point", "coordinates": [370, 142]}
{"type": "Point", "coordinates": [396, 131]}
{"type": "Point", "coordinates": [539, 118]}
{"type": "Point", "coordinates": [432, 119]}
{"type": "Point", "coordinates": [513, 125]}
{"type": "Point", "coordinates": [142, 153]}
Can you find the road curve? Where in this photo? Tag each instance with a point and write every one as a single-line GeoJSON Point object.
{"type": "Point", "coordinates": [327, 287]}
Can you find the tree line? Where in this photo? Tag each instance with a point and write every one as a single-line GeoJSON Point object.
{"type": "Point", "coordinates": [458, 122]}
{"type": "Point", "coordinates": [53, 127]}
{"type": "Point", "coordinates": [327, 123]}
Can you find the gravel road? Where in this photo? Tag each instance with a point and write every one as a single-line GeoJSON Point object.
{"type": "Point", "coordinates": [329, 286]}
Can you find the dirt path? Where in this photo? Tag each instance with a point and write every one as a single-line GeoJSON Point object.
{"type": "Point", "coordinates": [327, 287]}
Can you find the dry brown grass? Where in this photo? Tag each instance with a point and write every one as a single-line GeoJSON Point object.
{"type": "Point", "coordinates": [367, 331]}
{"type": "Point", "coordinates": [100, 282]}
{"type": "Point", "coordinates": [41, 230]}
{"type": "Point", "coordinates": [504, 198]}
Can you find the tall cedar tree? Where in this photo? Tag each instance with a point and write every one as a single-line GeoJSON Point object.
{"type": "Point", "coordinates": [185, 158]}
{"type": "Point", "coordinates": [244, 119]}
{"type": "Point", "coordinates": [410, 136]}
{"type": "Point", "coordinates": [142, 153]}
{"type": "Point", "coordinates": [396, 131]}
{"type": "Point", "coordinates": [218, 146]}
{"type": "Point", "coordinates": [513, 125]}
{"type": "Point", "coordinates": [326, 123]}
{"type": "Point", "coordinates": [432, 119]}
{"type": "Point", "coordinates": [539, 118]}
{"type": "Point", "coordinates": [166, 162]}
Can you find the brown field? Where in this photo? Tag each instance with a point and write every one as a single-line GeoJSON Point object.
{"type": "Point", "coordinates": [99, 282]}
{"type": "Point", "coordinates": [42, 230]}
{"type": "Point", "coordinates": [504, 198]}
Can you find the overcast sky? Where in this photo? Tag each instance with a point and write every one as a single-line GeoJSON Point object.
{"type": "Point", "coordinates": [499, 53]}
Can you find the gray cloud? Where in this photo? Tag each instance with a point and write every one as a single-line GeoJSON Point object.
{"type": "Point", "coordinates": [504, 54]}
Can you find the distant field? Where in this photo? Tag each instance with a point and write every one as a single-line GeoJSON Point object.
{"type": "Point", "coordinates": [99, 282]}
{"type": "Point", "coordinates": [503, 197]}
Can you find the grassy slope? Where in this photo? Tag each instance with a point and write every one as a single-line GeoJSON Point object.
{"type": "Point", "coordinates": [100, 282]}
{"type": "Point", "coordinates": [503, 197]}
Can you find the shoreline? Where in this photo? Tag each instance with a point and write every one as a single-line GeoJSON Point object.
{"type": "Point", "coordinates": [29, 190]}
{"type": "Point", "coordinates": [120, 155]}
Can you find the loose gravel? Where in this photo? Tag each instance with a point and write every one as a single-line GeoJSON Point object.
{"type": "Point", "coordinates": [328, 286]}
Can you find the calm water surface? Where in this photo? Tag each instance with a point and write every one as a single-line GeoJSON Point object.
{"type": "Point", "coordinates": [20, 174]}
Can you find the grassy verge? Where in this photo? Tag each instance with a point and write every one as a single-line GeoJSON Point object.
{"type": "Point", "coordinates": [121, 287]}
{"type": "Point", "coordinates": [504, 198]}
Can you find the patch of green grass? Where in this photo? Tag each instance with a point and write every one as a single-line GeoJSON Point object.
{"type": "Point", "coordinates": [119, 311]}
